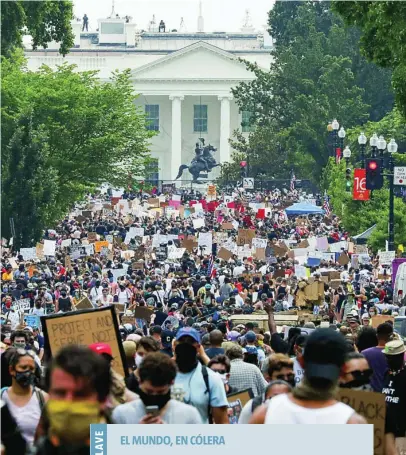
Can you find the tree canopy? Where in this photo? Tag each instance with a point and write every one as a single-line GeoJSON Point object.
{"type": "Point", "coordinates": [317, 74]}
{"type": "Point", "coordinates": [383, 26]}
{"type": "Point", "coordinates": [45, 21]}
{"type": "Point", "coordinates": [83, 133]}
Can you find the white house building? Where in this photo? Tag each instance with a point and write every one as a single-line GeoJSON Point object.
{"type": "Point", "coordinates": [184, 81]}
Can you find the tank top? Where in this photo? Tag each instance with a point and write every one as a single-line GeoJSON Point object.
{"type": "Point", "coordinates": [27, 417]}
{"type": "Point", "coordinates": [64, 304]}
{"type": "Point", "coordinates": [282, 411]}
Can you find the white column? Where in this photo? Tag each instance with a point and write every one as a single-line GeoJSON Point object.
{"type": "Point", "coordinates": [225, 128]}
{"type": "Point", "coordinates": [176, 146]}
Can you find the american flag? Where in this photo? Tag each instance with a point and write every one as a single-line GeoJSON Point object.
{"type": "Point", "coordinates": [210, 269]}
{"type": "Point", "coordinates": [292, 181]}
{"type": "Point", "coordinates": [326, 205]}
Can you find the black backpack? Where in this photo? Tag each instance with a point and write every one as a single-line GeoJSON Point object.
{"type": "Point", "coordinates": [206, 381]}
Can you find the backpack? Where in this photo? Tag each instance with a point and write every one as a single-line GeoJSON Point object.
{"type": "Point", "coordinates": [206, 381]}
{"type": "Point", "coordinates": [40, 396]}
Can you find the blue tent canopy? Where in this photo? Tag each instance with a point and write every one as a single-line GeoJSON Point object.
{"type": "Point", "coordinates": [303, 208]}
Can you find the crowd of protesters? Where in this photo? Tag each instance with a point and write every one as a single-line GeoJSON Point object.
{"type": "Point", "coordinates": [187, 361]}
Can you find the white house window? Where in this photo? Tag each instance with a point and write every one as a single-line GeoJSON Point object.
{"type": "Point", "coordinates": [152, 172]}
{"type": "Point", "coordinates": [200, 118]}
{"type": "Point", "coordinates": [152, 116]}
{"type": "Point", "coordinates": [245, 122]}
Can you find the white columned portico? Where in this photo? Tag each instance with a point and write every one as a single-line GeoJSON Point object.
{"type": "Point", "coordinates": [225, 128]}
{"type": "Point", "coordinates": [176, 146]}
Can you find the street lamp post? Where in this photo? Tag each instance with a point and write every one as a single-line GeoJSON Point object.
{"type": "Point", "coordinates": [381, 147]}
{"type": "Point", "coordinates": [392, 148]}
{"type": "Point", "coordinates": [362, 140]}
{"type": "Point", "coordinates": [330, 139]}
{"type": "Point", "coordinates": [373, 142]}
{"type": "Point", "coordinates": [341, 135]}
{"type": "Point", "coordinates": [347, 155]}
{"type": "Point", "coordinates": [335, 125]}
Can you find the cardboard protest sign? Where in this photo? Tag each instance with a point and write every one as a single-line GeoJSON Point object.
{"type": "Point", "coordinates": [39, 250]}
{"type": "Point", "coordinates": [380, 319]}
{"type": "Point", "coordinates": [143, 312]}
{"type": "Point", "coordinates": [343, 259]}
{"type": "Point", "coordinates": [49, 247]}
{"type": "Point", "coordinates": [260, 254]}
{"type": "Point", "coordinates": [87, 213]}
{"type": "Point", "coordinates": [68, 263]}
{"type": "Point", "coordinates": [245, 237]}
{"type": "Point", "coordinates": [84, 304]}
{"type": "Point", "coordinates": [259, 243]}
{"type": "Point", "coordinates": [85, 327]}
{"type": "Point", "coordinates": [303, 244]}
{"type": "Point", "coordinates": [154, 202]}
{"type": "Point", "coordinates": [236, 402]}
{"type": "Point", "coordinates": [189, 244]}
{"type": "Point", "coordinates": [224, 254]}
{"type": "Point", "coordinates": [227, 226]}
{"type": "Point", "coordinates": [279, 252]}
{"type": "Point", "coordinates": [370, 405]}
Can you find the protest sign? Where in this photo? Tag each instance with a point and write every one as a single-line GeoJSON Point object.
{"type": "Point", "coordinates": [227, 226]}
{"type": "Point", "coordinates": [245, 237]}
{"type": "Point", "coordinates": [65, 243]}
{"type": "Point", "coordinates": [380, 319]}
{"type": "Point", "coordinates": [84, 304]}
{"type": "Point", "coordinates": [49, 247]}
{"type": "Point", "coordinates": [370, 405]}
{"type": "Point", "coordinates": [161, 253]}
{"type": "Point", "coordinates": [32, 320]}
{"type": "Point", "coordinates": [224, 254]}
{"type": "Point", "coordinates": [68, 263]}
{"type": "Point", "coordinates": [322, 243]}
{"type": "Point", "coordinates": [21, 305]}
{"type": "Point", "coordinates": [343, 259]}
{"type": "Point", "coordinates": [198, 223]}
{"type": "Point", "coordinates": [143, 312]}
{"type": "Point", "coordinates": [39, 251]}
{"type": "Point", "coordinates": [236, 402]}
{"type": "Point", "coordinates": [109, 238]}
{"type": "Point", "coordinates": [205, 242]}
{"type": "Point", "coordinates": [260, 254]}
{"type": "Point", "coordinates": [28, 253]}
{"type": "Point", "coordinates": [303, 244]}
{"type": "Point", "coordinates": [259, 243]}
{"type": "Point", "coordinates": [189, 244]}
{"type": "Point", "coordinates": [175, 253]}
{"type": "Point", "coordinates": [386, 257]}
{"type": "Point", "coordinates": [85, 327]}
{"type": "Point", "coordinates": [99, 245]}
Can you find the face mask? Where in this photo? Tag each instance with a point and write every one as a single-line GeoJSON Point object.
{"type": "Point", "coordinates": [186, 357]}
{"type": "Point", "coordinates": [356, 384]}
{"type": "Point", "coordinates": [25, 379]}
{"type": "Point", "coordinates": [19, 345]}
{"type": "Point", "coordinates": [70, 420]}
{"type": "Point", "coordinates": [154, 400]}
{"type": "Point", "coordinates": [395, 362]}
{"type": "Point", "coordinates": [138, 360]}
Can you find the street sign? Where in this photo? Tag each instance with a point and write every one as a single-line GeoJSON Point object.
{"type": "Point", "coordinates": [248, 183]}
{"type": "Point", "coordinates": [360, 192]}
{"type": "Point", "coordinates": [399, 177]}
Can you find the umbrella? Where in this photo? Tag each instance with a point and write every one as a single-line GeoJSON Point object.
{"type": "Point", "coordinates": [303, 208]}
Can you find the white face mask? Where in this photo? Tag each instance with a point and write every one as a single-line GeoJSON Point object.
{"type": "Point", "coordinates": [138, 360]}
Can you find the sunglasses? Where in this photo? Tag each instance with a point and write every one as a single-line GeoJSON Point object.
{"type": "Point", "coordinates": [286, 377]}
{"type": "Point", "coordinates": [358, 374]}
{"type": "Point", "coordinates": [219, 371]}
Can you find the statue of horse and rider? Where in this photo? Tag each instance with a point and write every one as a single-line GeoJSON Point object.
{"type": "Point", "coordinates": [202, 162]}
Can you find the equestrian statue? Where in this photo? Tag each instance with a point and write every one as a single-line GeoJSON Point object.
{"type": "Point", "coordinates": [202, 162]}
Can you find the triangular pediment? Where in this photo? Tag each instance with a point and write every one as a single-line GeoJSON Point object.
{"type": "Point", "coordinates": [197, 61]}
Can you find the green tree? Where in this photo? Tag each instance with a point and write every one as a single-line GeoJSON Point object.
{"type": "Point", "coordinates": [30, 186]}
{"type": "Point", "coordinates": [45, 21]}
{"type": "Point", "coordinates": [95, 132]}
{"type": "Point", "coordinates": [317, 74]}
{"type": "Point", "coordinates": [383, 26]}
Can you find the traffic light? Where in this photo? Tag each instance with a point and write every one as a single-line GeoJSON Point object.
{"type": "Point", "coordinates": [374, 177]}
{"type": "Point", "coordinates": [243, 169]}
{"type": "Point", "coordinates": [348, 179]}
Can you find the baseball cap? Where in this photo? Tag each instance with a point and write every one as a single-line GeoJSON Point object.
{"type": "Point", "coordinates": [394, 347]}
{"type": "Point", "coordinates": [233, 335]}
{"type": "Point", "coordinates": [101, 348]}
{"type": "Point", "coordinates": [250, 337]}
{"type": "Point", "coordinates": [190, 332]}
{"type": "Point", "coordinates": [156, 329]}
{"type": "Point", "coordinates": [324, 354]}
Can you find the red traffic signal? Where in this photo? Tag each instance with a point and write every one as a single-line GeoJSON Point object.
{"type": "Point", "coordinates": [374, 177]}
{"type": "Point", "coordinates": [243, 163]}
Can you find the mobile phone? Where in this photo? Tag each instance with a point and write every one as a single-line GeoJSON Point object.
{"type": "Point", "coordinates": [152, 410]}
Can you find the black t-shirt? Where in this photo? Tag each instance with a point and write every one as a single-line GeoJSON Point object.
{"type": "Point", "coordinates": [395, 390]}
{"type": "Point", "coordinates": [132, 383]}
{"type": "Point", "coordinates": [278, 344]}
{"type": "Point", "coordinates": [64, 304]}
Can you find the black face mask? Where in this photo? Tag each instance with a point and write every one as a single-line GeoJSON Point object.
{"type": "Point", "coordinates": [25, 379]}
{"type": "Point", "coordinates": [154, 400]}
{"type": "Point", "coordinates": [186, 357]}
{"type": "Point", "coordinates": [395, 362]}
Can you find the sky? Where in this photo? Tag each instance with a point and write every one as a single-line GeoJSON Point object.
{"type": "Point", "coordinates": [219, 15]}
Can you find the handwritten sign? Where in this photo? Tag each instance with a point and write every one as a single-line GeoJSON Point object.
{"type": "Point", "coordinates": [245, 237]}
{"type": "Point", "coordinates": [370, 405]}
{"type": "Point", "coordinates": [21, 305]}
{"type": "Point", "coordinates": [85, 327]}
